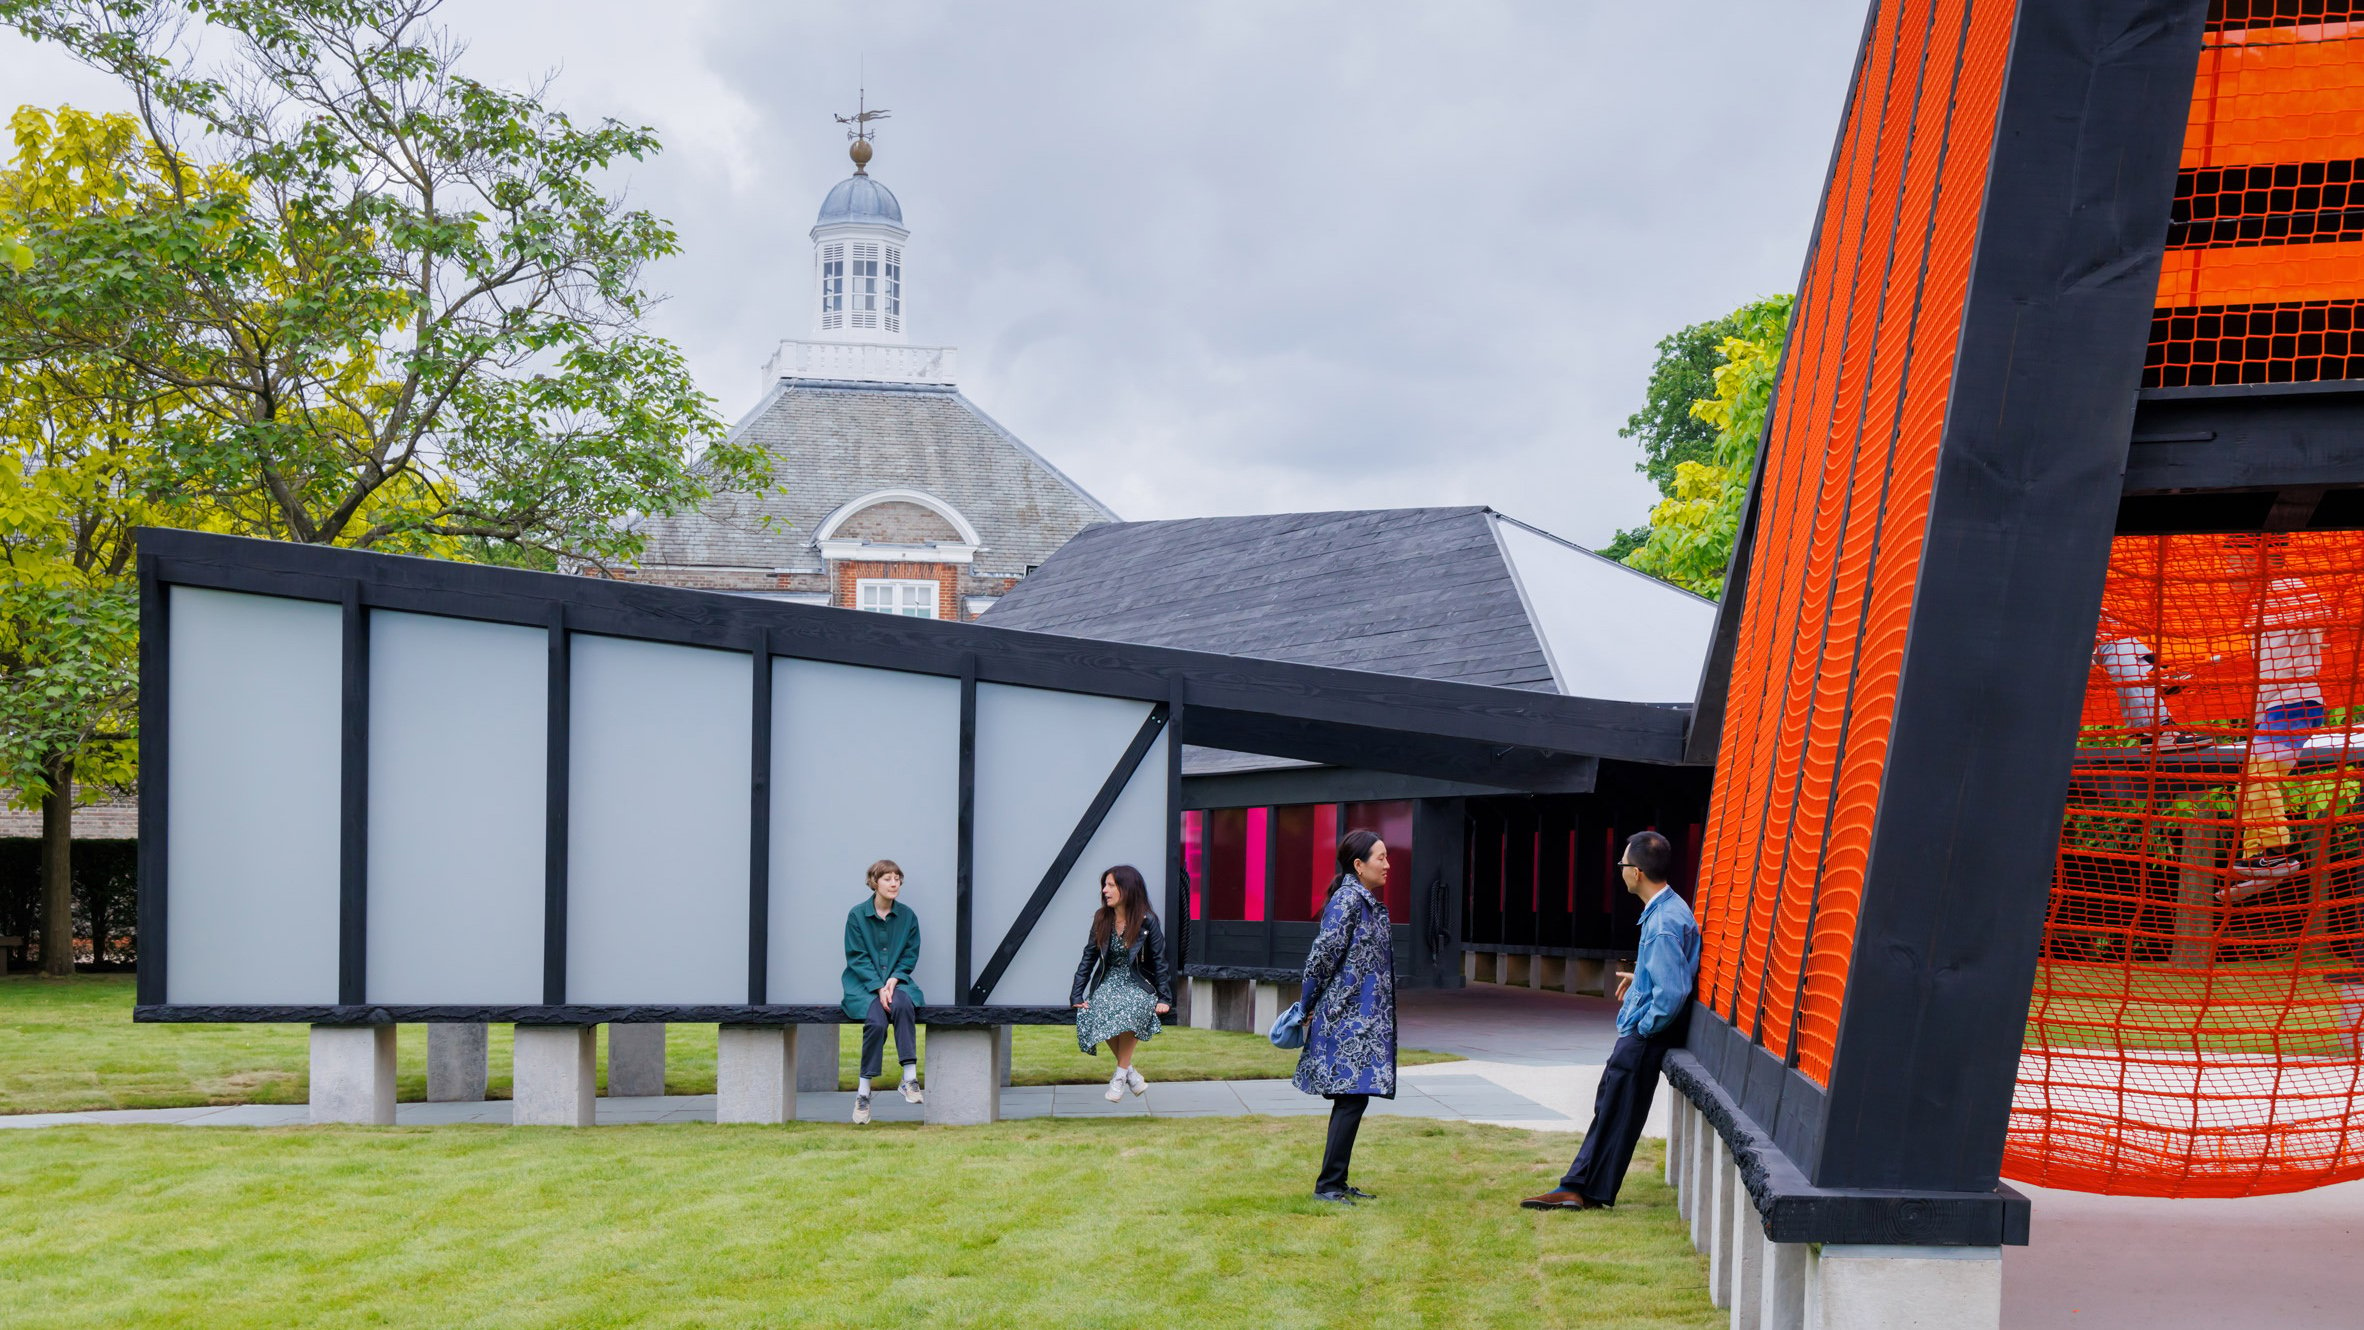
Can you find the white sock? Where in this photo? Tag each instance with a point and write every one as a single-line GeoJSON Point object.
{"type": "Point", "coordinates": [862, 1085]}
{"type": "Point", "coordinates": [910, 1072]}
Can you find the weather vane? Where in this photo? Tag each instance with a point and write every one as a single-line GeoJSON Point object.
{"type": "Point", "coordinates": [858, 129]}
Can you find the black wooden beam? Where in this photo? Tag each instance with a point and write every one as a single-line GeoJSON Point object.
{"type": "Point", "coordinates": [156, 758]}
{"type": "Point", "coordinates": [578, 1014]}
{"type": "Point", "coordinates": [2257, 437]}
{"type": "Point", "coordinates": [353, 806]}
{"type": "Point", "coordinates": [759, 835]}
{"type": "Point", "coordinates": [558, 766]}
{"type": "Point", "coordinates": [2054, 326]}
{"type": "Point", "coordinates": [1470, 716]}
{"type": "Point", "coordinates": [1063, 863]}
{"type": "Point", "coordinates": [964, 879]}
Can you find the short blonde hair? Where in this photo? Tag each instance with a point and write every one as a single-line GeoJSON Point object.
{"type": "Point", "coordinates": [879, 870]}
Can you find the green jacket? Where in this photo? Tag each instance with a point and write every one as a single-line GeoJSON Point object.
{"type": "Point", "coordinates": [877, 950]}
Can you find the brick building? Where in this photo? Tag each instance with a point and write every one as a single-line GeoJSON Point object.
{"type": "Point", "coordinates": [900, 495]}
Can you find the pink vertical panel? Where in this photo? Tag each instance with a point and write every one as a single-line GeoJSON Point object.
{"type": "Point", "coordinates": [1259, 855]}
{"type": "Point", "coordinates": [1194, 840]}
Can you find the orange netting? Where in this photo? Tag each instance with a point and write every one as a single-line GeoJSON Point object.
{"type": "Point", "coordinates": [2197, 1004]}
{"type": "Point", "coordinates": [1842, 510]}
{"type": "Point", "coordinates": [2264, 270]}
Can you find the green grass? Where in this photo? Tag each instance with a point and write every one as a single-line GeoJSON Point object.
{"type": "Point", "coordinates": [70, 1045]}
{"type": "Point", "coordinates": [1118, 1223]}
{"type": "Point", "coordinates": [2226, 1008]}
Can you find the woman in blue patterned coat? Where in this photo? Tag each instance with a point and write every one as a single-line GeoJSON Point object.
{"type": "Point", "coordinates": [1349, 1004]}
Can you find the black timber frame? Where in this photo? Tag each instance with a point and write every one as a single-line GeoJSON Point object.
{"type": "Point", "coordinates": [1905, 1143]}
{"type": "Point", "coordinates": [1493, 736]}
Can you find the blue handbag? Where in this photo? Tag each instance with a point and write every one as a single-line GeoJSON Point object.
{"type": "Point", "coordinates": [1288, 1028]}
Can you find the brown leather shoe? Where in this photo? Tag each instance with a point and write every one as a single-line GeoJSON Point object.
{"type": "Point", "coordinates": [1560, 1199]}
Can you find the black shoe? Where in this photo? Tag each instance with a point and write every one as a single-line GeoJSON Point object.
{"type": "Point", "coordinates": [1334, 1197]}
{"type": "Point", "coordinates": [1361, 1195]}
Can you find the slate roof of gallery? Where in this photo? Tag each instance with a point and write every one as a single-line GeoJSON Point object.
{"type": "Point", "coordinates": [833, 441]}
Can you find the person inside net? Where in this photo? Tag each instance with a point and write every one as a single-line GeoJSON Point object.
{"type": "Point", "coordinates": [2143, 689]}
{"type": "Point", "coordinates": [2286, 636]}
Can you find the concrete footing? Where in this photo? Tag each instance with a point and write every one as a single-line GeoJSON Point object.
{"type": "Point", "coordinates": [963, 1075]}
{"type": "Point", "coordinates": [635, 1060]}
{"type": "Point", "coordinates": [552, 1077]}
{"type": "Point", "coordinates": [1904, 1288]}
{"type": "Point", "coordinates": [1769, 1285]}
{"type": "Point", "coordinates": [1265, 1007]}
{"type": "Point", "coordinates": [1549, 972]}
{"type": "Point", "coordinates": [818, 1051]}
{"type": "Point", "coordinates": [1199, 999]}
{"type": "Point", "coordinates": [457, 1066]}
{"type": "Point", "coordinates": [1003, 1053]}
{"type": "Point", "coordinates": [1589, 976]}
{"type": "Point", "coordinates": [754, 1072]}
{"type": "Point", "coordinates": [353, 1074]}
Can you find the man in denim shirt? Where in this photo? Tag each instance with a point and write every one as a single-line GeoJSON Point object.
{"type": "Point", "coordinates": [1654, 999]}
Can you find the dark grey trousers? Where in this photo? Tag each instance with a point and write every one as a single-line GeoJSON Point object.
{"type": "Point", "coordinates": [874, 1033]}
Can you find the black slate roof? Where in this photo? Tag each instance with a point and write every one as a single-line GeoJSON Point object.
{"type": "Point", "coordinates": [1424, 592]}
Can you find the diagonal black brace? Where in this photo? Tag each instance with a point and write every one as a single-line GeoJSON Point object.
{"type": "Point", "coordinates": [1085, 828]}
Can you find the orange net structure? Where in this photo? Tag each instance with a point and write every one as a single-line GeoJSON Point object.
{"type": "Point", "coordinates": [1843, 505]}
{"type": "Point", "coordinates": [2194, 1029]}
{"type": "Point", "coordinates": [2197, 1006]}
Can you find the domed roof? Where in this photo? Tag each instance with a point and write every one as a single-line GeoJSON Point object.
{"type": "Point", "coordinates": [858, 198]}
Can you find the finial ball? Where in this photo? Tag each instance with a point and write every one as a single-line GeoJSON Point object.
{"type": "Point", "coordinates": [860, 152]}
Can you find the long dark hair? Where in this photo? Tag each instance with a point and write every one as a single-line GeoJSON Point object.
{"type": "Point", "coordinates": [1132, 897]}
{"type": "Point", "coordinates": [1352, 849]}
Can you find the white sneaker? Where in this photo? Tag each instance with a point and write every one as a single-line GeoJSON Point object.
{"type": "Point", "coordinates": [911, 1091]}
{"type": "Point", "coordinates": [861, 1108]}
{"type": "Point", "coordinates": [1135, 1081]}
{"type": "Point", "coordinates": [1116, 1088]}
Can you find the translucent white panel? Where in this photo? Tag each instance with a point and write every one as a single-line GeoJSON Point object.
{"type": "Point", "coordinates": [657, 843]}
{"type": "Point", "coordinates": [253, 764]}
{"type": "Point", "coordinates": [1611, 632]}
{"type": "Point", "coordinates": [1041, 756]}
{"type": "Point", "coordinates": [458, 719]}
{"type": "Point", "coordinates": [865, 766]}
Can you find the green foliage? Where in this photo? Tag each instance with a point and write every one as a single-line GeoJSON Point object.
{"type": "Point", "coordinates": [374, 301]}
{"type": "Point", "coordinates": [1669, 434]}
{"type": "Point", "coordinates": [1692, 530]}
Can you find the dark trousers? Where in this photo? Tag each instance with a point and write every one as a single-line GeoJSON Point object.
{"type": "Point", "coordinates": [1628, 1084]}
{"type": "Point", "coordinates": [874, 1032]}
{"type": "Point", "coordinates": [1346, 1118]}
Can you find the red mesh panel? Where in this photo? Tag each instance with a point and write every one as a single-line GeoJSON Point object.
{"type": "Point", "coordinates": [2196, 1011]}
{"type": "Point", "coordinates": [1843, 506]}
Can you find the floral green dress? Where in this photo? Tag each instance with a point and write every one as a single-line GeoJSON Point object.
{"type": "Point", "coordinates": [1120, 1004]}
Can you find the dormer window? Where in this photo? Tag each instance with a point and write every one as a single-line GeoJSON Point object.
{"type": "Point", "coordinates": [833, 286]}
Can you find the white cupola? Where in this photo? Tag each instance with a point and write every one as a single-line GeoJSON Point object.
{"type": "Point", "coordinates": [858, 259]}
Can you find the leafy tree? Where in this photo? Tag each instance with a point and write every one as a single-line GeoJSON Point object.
{"type": "Point", "coordinates": [80, 468]}
{"type": "Point", "coordinates": [391, 306]}
{"type": "Point", "coordinates": [1692, 530]}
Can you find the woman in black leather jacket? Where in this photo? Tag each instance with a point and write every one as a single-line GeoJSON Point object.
{"type": "Point", "coordinates": [1122, 984]}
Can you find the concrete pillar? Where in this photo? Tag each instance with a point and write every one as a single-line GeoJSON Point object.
{"type": "Point", "coordinates": [1548, 972]}
{"type": "Point", "coordinates": [1584, 975]}
{"type": "Point", "coordinates": [552, 1079]}
{"type": "Point", "coordinates": [1684, 1174]}
{"type": "Point", "coordinates": [1235, 1005]}
{"type": "Point", "coordinates": [963, 1084]}
{"type": "Point", "coordinates": [1202, 1004]}
{"type": "Point", "coordinates": [1469, 966]}
{"type": "Point", "coordinates": [1003, 1052]}
{"type": "Point", "coordinates": [1904, 1288]}
{"type": "Point", "coordinates": [1266, 1006]}
{"type": "Point", "coordinates": [457, 1071]}
{"type": "Point", "coordinates": [1515, 970]}
{"type": "Point", "coordinates": [754, 1079]}
{"type": "Point", "coordinates": [353, 1074]}
{"type": "Point", "coordinates": [1782, 1300]}
{"type": "Point", "coordinates": [1677, 1119]}
{"type": "Point", "coordinates": [817, 1057]}
{"type": "Point", "coordinates": [636, 1060]}
{"type": "Point", "coordinates": [1748, 1262]}
{"type": "Point", "coordinates": [1723, 1180]}
{"type": "Point", "coordinates": [1704, 1144]}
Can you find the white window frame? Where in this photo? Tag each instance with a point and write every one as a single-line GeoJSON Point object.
{"type": "Point", "coordinates": [894, 289]}
{"type": "Point", "coordinates": [901, 595]}
{"type": "Point", "coordinates": [833, 285]}
{"type": "Point", "coordinates": [862, 285]}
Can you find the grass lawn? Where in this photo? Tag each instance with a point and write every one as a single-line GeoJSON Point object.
{"type": "Point", "coordinates": [1119, 1223]}
{"type": "Point", "coordinates": [68, 1045]}
{"type": "Point", "coordinates": [2227, 1008]}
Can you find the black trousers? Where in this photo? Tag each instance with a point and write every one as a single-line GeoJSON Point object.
{"type": "Point", "coordinates": [1628, 1084]}
{"type": "Point", "coordinates": [1346, 1118]}
{"type": "Point", "coordinates": [874, 1032]}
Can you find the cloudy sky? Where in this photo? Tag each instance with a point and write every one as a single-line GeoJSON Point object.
{"type": "Point", "coordinates": [1227, 257]}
